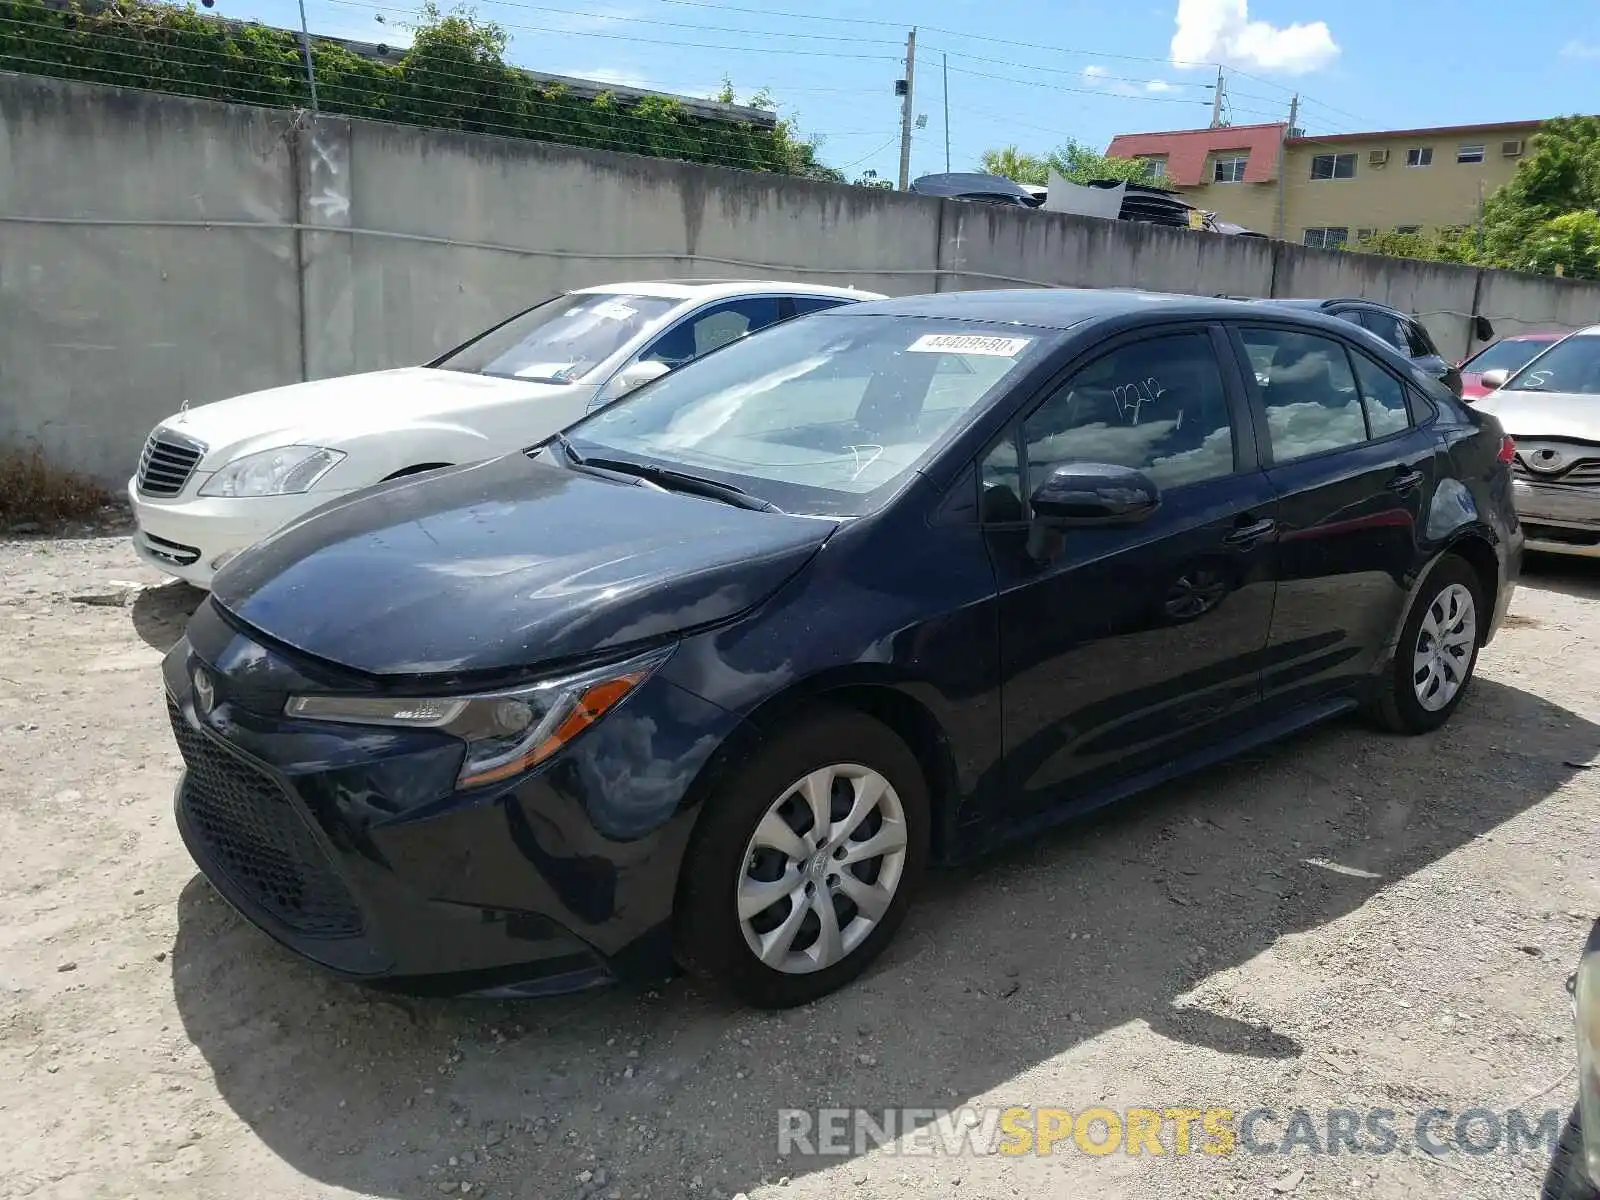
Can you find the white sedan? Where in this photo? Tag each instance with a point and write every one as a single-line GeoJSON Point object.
{"type": "Point", "coordinates": [215, 479]}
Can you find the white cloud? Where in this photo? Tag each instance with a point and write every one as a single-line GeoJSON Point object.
{"type": "Point", "coordinates": [1580, 49]}
{"type": "Point", "coordinates": [1221, 31]}
{"type": "Point", "coordinates": [1102, 80]}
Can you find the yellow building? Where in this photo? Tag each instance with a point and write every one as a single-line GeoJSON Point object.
{"type": "Point", "coordinates": [1335, 189]}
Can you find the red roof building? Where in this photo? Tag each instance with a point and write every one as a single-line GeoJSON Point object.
{"type": "Point", "coordinates": [1186, 153]}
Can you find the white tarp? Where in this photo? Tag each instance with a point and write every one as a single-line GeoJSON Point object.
{"type": "Point", "coordinates": [1070, 197]}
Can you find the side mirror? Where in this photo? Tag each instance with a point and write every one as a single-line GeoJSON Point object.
{"type": "Point", "coordinates": [1090, 493]}
{"type": "Point", "coordinates": [632, 377]}
{"type": "Point", "coordinates": [1494, 380]}
{"type": "Point", "coordinates": [1482, 329]}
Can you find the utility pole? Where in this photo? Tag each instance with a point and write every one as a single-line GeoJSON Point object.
{"type": "Point", "coordinates": [907, 110]}
{"type": "Point", "coordinates": [305, 45]}
{"type": "Point", "coordinates": [947, 113]}
{"type": "Point", "coordinates": [1217, 93]}
{"type": "Point", "coordinates": [1283, 158]}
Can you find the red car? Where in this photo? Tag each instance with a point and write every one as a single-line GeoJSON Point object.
{"type": "Point", "coordinates": [1512, 353]}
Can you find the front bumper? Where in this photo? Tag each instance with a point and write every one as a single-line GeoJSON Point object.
{"type": "Point", "coordinates": [1559, 518]}
{"type": "Point", "coordinates": [351, 847]}
{"type": "Point", "coordinates": [190, 536]}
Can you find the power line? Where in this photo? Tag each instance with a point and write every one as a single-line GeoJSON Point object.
{"type": "Point", "coordinates": [850, 166]}
{"type": "Point", "coordinates": [1057, 87]}
{"type": "Point", "coordinates": [1078, 74]}
{"type": "Point", "coordinates": [632, 20]}
{"type": "Point", "coordinates": [651, 41]}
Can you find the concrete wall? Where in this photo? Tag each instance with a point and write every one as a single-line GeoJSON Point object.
{"type": "Point", "coordinates": [156, 249]}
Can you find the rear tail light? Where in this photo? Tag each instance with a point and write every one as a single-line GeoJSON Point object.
{"type": "Point", "coordinates": [1508, 449]}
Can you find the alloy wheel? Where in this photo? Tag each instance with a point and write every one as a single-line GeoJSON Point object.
{"type": "Point", "coordinates": [822, 868]}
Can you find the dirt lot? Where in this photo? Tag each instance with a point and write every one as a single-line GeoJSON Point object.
{"type": "Point", "coordinates": [1347, 920]}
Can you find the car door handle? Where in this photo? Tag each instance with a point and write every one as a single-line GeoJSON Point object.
{"type": "Point", "coordinates": [1405, 482]}
{"type": "Point", "coordinates": [1248, 535]}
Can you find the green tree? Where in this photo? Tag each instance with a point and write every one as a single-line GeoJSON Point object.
{"type": "Point", "coordinates": [1560, 176]}
{"type": "Point", "coordinates": [1566, 245]}
{"type": "Point", "coordinates": [1010, 163]}
{"type": "Point", "coordinates": [1078, 163]}
{"type": "Point", "coordinates": [1456, 244]}
{"type": "Point", "coordinates": [1073, 161]}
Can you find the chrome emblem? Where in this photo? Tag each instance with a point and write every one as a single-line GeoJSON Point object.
{"type": "Point", "coordinates": [1547, 460]}
{"type": "Point", "coordinates": [205, 693]}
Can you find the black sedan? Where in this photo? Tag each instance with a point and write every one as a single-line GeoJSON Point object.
{"type": "Point", "coordinates": [711, 679]}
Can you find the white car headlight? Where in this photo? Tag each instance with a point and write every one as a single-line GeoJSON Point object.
{"type": "Point", "coordinates": [506, 732]}
{"type": "Point", "coordinates": [284, 471]}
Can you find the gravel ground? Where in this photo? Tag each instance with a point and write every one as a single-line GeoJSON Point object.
{"type": "Point", "coordinates": [1347, 920]}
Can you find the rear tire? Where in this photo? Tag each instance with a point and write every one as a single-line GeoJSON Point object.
{"type": "Point", "coordinates": [1437, 651]}
{"type": "Point", "coordinates": [804, 862]}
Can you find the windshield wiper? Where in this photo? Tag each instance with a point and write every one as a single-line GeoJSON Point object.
{"type": "Point", "coordinates": [568, 449]}
{"type": "Point", "coordinates": [677, 481]}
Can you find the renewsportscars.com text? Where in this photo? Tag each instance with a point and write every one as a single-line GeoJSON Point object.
{"type": "Point", "coordinates": [1173, 1129]}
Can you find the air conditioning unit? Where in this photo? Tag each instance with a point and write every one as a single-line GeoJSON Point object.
{"type": "Point", "coordinates": [1511, 149]}
{"type": "Point", "coordinates": [1377, 158]}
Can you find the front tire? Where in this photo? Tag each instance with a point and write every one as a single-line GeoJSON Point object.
{"type": "Point", "coordinates": [1564, 1179]}
{"type": "Point", "coordinates": [804, 862]}
{"type": "Point", "coordinates": [1437, 651]}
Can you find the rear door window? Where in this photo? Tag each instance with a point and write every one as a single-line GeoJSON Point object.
{"type": "Point", "coordinates": [1387, 326]}
{"type": "Point", "coordinates": [1382, 396]}
{"type": "Point", "coordinates": [1417, 338]}
{"type": "Point", "coordinates": [1309, 392]}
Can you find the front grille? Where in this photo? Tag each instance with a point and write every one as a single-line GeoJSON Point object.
{"type": "Point", "coordinates": [167, 462]}
{"type": "Point", "coordinates": [256, 837]}
{"type": "Point", "coordinates": [1583, 473]}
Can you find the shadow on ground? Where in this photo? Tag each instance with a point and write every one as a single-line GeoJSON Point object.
{"type": "Point", "coordinates": [161, 613]}
{"type": "Point", "coordinates": [1563, 573]}
{"type": "Point", "coordinates": [1000, 968]}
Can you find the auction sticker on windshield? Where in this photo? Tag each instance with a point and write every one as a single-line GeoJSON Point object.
{"type": "Point", "coordinates": [970, 343]}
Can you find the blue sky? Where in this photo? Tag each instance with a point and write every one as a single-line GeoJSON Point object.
{"type": "Point", "coordinates": [1036, 72]}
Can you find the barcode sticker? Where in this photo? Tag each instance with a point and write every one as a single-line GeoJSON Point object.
{"type": "Point", "coordinates": [970, 343]}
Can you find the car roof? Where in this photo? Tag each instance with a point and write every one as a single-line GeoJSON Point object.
{"type": "Point", "coordinates": [716, 289]}
{"type": "Point", "coordinates": [1054, 308]}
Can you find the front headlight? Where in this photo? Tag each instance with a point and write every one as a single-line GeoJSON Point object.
{"type": "Point", "coordinates": [1586, 1008]}
{"type": "Point", "coordinates": [284, 471]}
{"type": "Point", "coordinates": [506, 732]}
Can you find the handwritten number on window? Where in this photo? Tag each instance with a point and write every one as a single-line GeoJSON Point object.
{"type": "Point", "coordinates": [1132, 397]}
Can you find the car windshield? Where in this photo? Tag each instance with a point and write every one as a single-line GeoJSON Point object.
{"type": "Point", "coordinates": [1571, 365]}
{"type": "Point", "coordinates": [827, 414]}
{"type": "Point", "coordinates": [561, 341]}
{"type": "Point", "coordinates": [1507, 355]}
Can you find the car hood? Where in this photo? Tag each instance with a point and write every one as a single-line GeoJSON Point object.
{"type": "Point", "coordinates": [325, 412]}
{"type": "Point", "coordinates": [1562, 415]}
{"type": "Point", "coordinates": [506, 565]}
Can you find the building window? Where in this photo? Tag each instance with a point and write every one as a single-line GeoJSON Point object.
{"type": "Point", "coordinates": [1229, 170]}
{"type": "Point", "coordinates": [1363, 235]}
{"type": "Point", "coordinates": [1470, 154]}
{"type": "Point", "coordinates": [1157, 167]}
{"type": "Point", "coordinates": [1328, 238]}
{"type": "Point", "coordinates": [1408, 228]}
{"type": "Point", "coordinates": [1333, 166]}
{"type": "Point", "coordinates": [1419, 156]}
